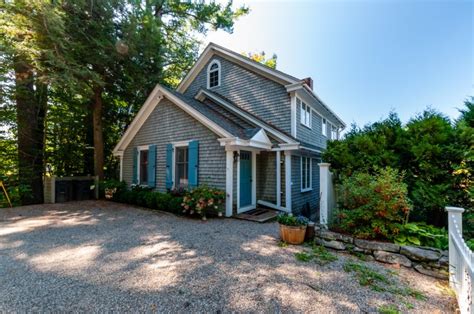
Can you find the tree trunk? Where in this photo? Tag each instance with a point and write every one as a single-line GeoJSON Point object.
{"type": "Point", "coordinates": [31, 111]}
{"type": "Point", "coordinates": [98, 134]}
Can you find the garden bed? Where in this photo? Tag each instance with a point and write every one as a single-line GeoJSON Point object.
{"type": "Point", "coordinates": [428, 261]}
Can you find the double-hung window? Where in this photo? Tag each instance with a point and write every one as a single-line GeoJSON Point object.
{"type": "Point", "coordinates": [143, 170]}
{"type": "Point", "coordinates": [182, 166]}
{"type": "Point", "coordinates": [333, 133]}
{"type": "Point", "coordinates": [306, 170]}
{"type": "Point", "coordinates": [324, 127]}
{"type": "Point", "coordinates": [305, 113]}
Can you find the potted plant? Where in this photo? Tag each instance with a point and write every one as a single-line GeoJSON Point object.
{"type": "Point", "coordinates": [292, 228]}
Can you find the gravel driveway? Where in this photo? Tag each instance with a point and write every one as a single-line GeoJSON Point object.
{"type": "Point", "coordinates": [98, 256]}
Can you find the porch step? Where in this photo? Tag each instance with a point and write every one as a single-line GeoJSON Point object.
{"type": "Point", "coordinates": [258, 215]}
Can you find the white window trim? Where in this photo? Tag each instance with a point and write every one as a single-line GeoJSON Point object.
{"type": "Point", "coordinates": [173, 171]}
{"type": "Point", "coordinates": [324, 127]}
{"type": "Point", "coordinates": [219, 74]}
{"type": "Point", "coordinates": [310, 188]}
{"type": "Point", "coordinates": [306, 112]}
{"type": "Point", "coordinates": [333, 127]}
{"type": "Point", "coordinates": [140, 148]}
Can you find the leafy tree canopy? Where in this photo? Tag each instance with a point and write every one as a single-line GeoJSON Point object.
{"type": "Point", "coordinates": [262, 58]}
{"type": "Point", "coordinates": [434, 154]}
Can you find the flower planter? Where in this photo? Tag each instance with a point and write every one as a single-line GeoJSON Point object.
{"type": "Point", "coordinates": [292, 234]}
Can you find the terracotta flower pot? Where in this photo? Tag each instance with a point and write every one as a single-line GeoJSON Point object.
{"type": "Point", "coordinates": [292, 234]}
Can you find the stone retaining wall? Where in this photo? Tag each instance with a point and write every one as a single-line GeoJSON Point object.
{"type": "Point", "coordinates": [428, 261]}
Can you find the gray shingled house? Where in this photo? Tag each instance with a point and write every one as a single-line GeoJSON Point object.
{"type": "Point", "coordinates": [233, 124]}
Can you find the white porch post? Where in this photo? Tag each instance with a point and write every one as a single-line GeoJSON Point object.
{"type": "Point", "coordinates": [323, 186]}
{"type": "Point", "coordinates": [229, 171]}
{"type": "Point", "coordinates": [254, 178]}
{"type": "Point", "coordinates": [288, 180]}
{"type": "Point", "coordinates": [278, 178]}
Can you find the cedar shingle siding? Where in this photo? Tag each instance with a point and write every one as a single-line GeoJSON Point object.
{"type": "Point", "coordinates": [258, 95]}
{"type": "Point", "coordinates": [299, 199]}
{"type": "Point", "coordinates": [311, 136]}
{"type": "Point", "coordinates": [266, 176]}
{"type": "Point", "coordinates": [168, 124]}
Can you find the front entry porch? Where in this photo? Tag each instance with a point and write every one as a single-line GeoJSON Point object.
{"type": "Point", "coordinates": [257, 178]}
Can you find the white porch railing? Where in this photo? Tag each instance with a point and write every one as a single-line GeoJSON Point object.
{"type": "Point", "coordinates": [461, 262]}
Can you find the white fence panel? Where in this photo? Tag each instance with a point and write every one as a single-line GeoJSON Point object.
{"type": "Point", "coordinates": [461, 261]}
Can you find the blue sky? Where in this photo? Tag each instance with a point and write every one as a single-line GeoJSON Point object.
{"type": "Point", "coordinates": [367, 57]}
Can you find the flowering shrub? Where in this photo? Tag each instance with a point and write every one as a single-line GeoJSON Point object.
{"type": "Point", "coordinates": [290, 220]}
{"type": "Point", "coordinates": [373, 206]}
{"type": "Point", "coordinates": [203, 200]}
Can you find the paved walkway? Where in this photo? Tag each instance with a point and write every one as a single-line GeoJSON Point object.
{"type": "Point", "coordinates": [97, 256]}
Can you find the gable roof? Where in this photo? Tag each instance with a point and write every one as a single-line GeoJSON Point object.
{"type": "Point", "coordinates": [224, 125]}
{"type": "Point", "coordinates": [290, 82]}
{"type": "Point", "coordinates": [254, 66]}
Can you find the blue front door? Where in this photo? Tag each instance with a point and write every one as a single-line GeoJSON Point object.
{"type": "Point", "coordinates": [245, 178]}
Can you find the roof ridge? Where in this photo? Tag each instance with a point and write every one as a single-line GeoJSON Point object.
{"type": "Point", "coordinates": [253, 61]}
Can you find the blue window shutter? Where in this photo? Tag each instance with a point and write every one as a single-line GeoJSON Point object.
{"type": "Point", "coordinates": [135, 166]}
{"type": "Point", "coordinates": [193, 163]}
{"type": "Point", "coordinates": [151, 166]}
{"type": "Point", "coordinates": [169, 166]}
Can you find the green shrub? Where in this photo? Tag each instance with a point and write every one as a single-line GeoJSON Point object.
{"type": "Point", "coordinates": [172, 201]}
{"type": "Point", "coordinates": [470, 244]}
{"type": "Point", "coordinates": [203, 200]}
{"type": "Point", "coordinates": [373, 206]}
{"type": "Point", "coordinates": [435, 154]}
{"type": "Point", "coordinates": [14, 189]}
{"type": "Point", "coordinates": [174, 205]}
{"type": "Point", "coordinates": [417, 233]}
{"type": "Point", "coordinates": [129, 197]}
{"type": "Point", "coordinates": [150, 200]}
{"type": "Point", "coordinates": [162, 201]}
{"type": "Point", "coordinates": [468, 224]}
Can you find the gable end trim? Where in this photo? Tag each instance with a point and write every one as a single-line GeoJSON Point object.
{"type": "Point", "coordinates": [150, 104]}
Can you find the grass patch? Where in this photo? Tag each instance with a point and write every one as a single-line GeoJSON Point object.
{"type": "Point", "coordinates": [282, 244]}
{"type": "Point", "coordinates": [388, 309]}
{"type": "Point", "coordinates": [322, 255]}
{"type": "Point", "coordinates": [408, 305]}
{"type": "Point", "coordinates": [303, 256]}
{"type": "Point", "coordinates": [367, 276]}
{"type": "Point", "coordinates": [380, 282]}
{"type": "Point", "coordinates": [318, 253]}
{"type": "Point", "coordinates": [407, 291]}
